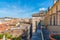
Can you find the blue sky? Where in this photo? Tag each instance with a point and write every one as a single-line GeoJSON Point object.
{"type": "Point", "coordinates": [22, 8]}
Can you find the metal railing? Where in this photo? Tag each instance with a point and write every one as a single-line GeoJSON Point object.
{"type": "Point", "coordinates": [42, 34]}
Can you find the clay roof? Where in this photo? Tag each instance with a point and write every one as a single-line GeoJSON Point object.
{"type": "Point", "coordinates": [2, 27]}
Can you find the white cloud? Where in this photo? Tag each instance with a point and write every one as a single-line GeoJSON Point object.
{"type": "Point", "coordinates": [42, 9]}
{"type": "Point", "coordinates": [16, 11]}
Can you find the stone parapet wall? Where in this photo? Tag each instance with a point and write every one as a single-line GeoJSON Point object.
{"type": "Point", "coordinates": [55, 29]}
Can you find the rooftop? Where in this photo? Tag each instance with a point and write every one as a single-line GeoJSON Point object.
{"type": "Point", "coordinates": [40, 14]}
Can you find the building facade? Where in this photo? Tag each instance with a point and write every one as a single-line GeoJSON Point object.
{"type": "Point", "coordinates": [52, 18]}
{"type": "Point", "coordinates": [36, 19]}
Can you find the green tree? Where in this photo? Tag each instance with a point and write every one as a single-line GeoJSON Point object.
{"type": "Point", "coordinates": [8, 35]}
{"type": "Point", "coordinates": [1, 36]}
{"type": "Point", "coordinates": [17, 38]}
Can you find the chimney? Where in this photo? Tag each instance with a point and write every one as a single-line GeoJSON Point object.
{"type": "Point", "coordinates": [54, 1]}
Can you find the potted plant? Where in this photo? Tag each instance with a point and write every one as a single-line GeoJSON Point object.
{"type": "Point", "coordinates": [54, 36]}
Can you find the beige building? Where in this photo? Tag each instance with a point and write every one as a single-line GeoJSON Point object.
{"type": "Point", "coordinates": [52, 18]}
{"type": "Point", "coordinates": [36, 18]}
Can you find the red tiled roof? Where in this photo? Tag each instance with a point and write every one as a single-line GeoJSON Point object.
{"type": "Point", "coordinates": [3, 27]}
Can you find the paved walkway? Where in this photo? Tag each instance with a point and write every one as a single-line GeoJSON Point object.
{"type": "Point", "coordinates": [45, 34]}
{"type": "Point", "coordinates": [37, 35]}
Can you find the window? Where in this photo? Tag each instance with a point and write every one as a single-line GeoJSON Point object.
{"type": "Point", "coordinates": [54, 21]}
{"type": "Point", "coordinates": [51, 20]}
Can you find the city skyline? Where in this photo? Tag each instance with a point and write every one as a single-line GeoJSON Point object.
{"type": "Point", "coordinates": [22, 8]}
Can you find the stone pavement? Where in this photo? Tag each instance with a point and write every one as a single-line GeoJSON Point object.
{"type": "Point", "coordinates": [45, 34]}
{"type": "Point", "coordinates": [37, 35]}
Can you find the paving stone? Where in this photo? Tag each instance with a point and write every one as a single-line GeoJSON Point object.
{"type": "Point", "coordinates": [46, 34]}
{"type": "Point", "coordinates": [37, 35]}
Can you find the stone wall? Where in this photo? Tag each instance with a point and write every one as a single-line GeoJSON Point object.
{"type": "Point", "coordinates": [55, 29]}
